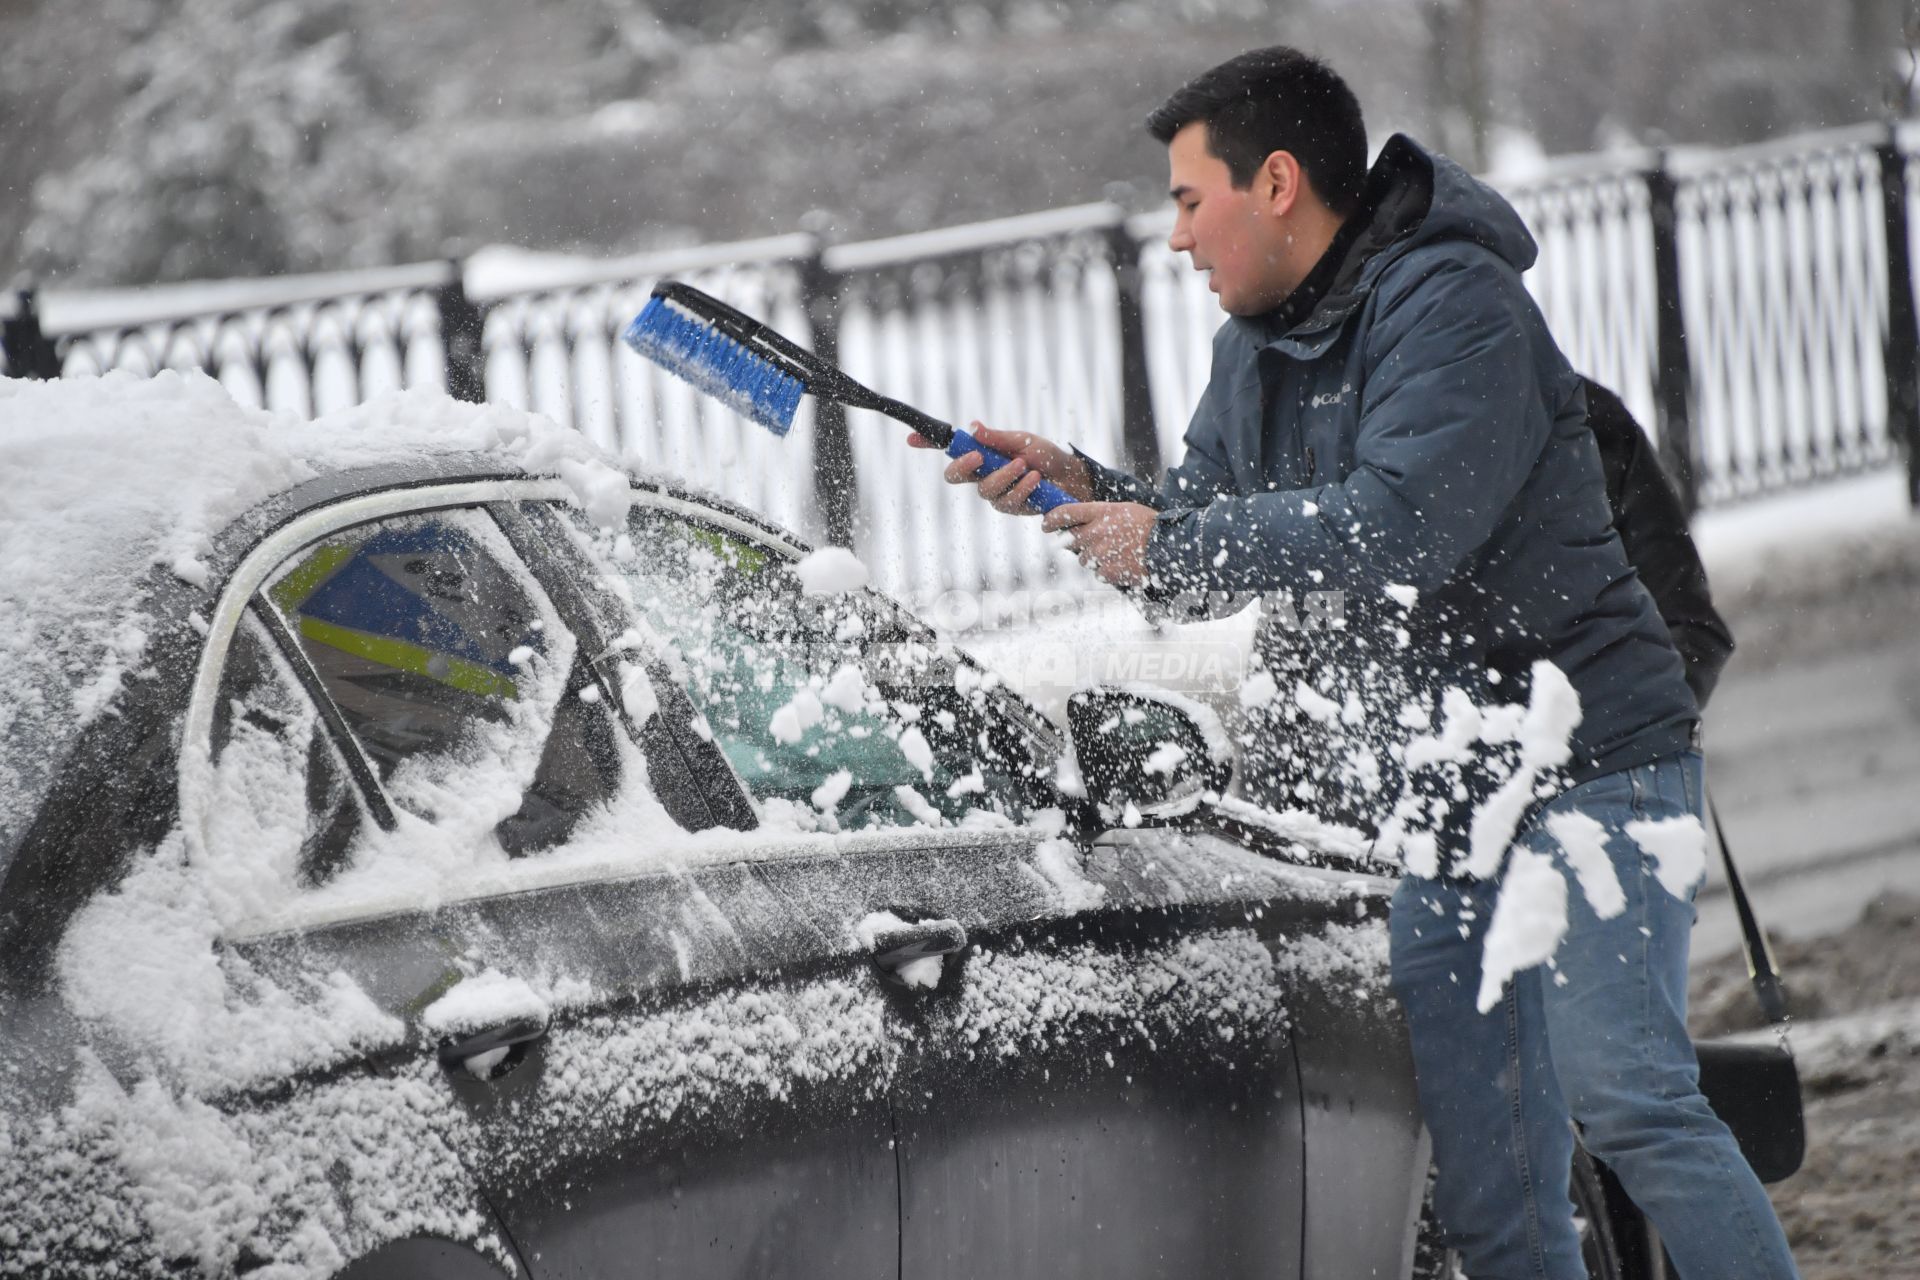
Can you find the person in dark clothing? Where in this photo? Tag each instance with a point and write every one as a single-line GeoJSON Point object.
{"type": "Point", "coordinates": [1389, 416]}
{"type": "Point", "coordinates": [1652, 524]}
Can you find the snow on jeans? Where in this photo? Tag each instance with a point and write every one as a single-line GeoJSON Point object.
{"type": "Point", "coordinates": [1598, 1037]}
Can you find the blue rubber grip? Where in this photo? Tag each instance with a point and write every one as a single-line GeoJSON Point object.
{"type": "Point", "coordinates": [1044, 499]}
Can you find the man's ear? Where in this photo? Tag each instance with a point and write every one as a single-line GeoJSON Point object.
{"type": "Point", "coordinates": [1285, 179]}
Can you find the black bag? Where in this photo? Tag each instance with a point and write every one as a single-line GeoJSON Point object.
{"type": "Point", "coordinates": [1753, 1085]}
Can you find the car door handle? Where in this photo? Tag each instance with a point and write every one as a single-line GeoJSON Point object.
{"type": "Point", "coordinates": [482, 1051]}
{"type": "Point", "coordinates": [901, 952]}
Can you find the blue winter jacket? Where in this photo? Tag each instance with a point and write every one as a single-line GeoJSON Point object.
{"type": "Point", "coordinates": [1419, 427]}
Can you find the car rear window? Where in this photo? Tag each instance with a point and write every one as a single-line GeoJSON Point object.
{"type": "Point", "coordinates": [453, 673]}
{"type": "Point", "coordinates": [270, 745]}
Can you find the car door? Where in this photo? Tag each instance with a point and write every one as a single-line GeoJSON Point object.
{"type": "Point", "coordinates": [640, 1062]}
{"type": "Point", "coordinates": [1106, 1085]}
{"type": "Point", "coordinates": [1095, 1072]}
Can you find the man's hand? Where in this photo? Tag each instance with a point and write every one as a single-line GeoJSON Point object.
{"type": "Point", "coordinates": [1109, 537]}
{"type": "Point", "coordinates": [1031, 459]}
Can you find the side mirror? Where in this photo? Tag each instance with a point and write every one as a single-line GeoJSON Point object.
{"type": "Point", "coordinates": [1154, 752]}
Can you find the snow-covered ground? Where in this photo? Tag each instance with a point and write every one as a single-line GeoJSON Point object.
{"type": "Point", "coordinates": [1856, 993]}
{"type": "Point", "coordinates": [1814, 745]}
{"type": "Point", "coordinates": [1814, 734]}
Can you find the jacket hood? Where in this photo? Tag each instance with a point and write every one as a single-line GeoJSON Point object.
{"type": "Point", "coordinates": [1459, 206]}
{"type": "Point", "coordinates": [1412, 198]}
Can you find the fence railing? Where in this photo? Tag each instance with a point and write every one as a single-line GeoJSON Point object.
{"type": "Point", "coordinates": [1754, 307]}
{"type": "Point", "coordinates": [1800, 321]}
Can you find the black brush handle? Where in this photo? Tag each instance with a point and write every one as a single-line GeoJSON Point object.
{"type": "Point", "coordinates": [822, 380]}
{"type": "Point", "coordinates": [956, 443]}
{"type": "Point", "coordinates": [941, 433]}
{"type": "Point", "coordinates": [828, 382]}
{"type": "Point", "coordinates": [825, 382]}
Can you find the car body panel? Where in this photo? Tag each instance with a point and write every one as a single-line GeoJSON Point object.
{"type": "Point", "coordinates": [423, 1258]}
{"type": "Point", "coordinates": [1359, 1112]}
{"type": "Point", "coordinates": [1060, 1162]}
{"type": "Point", "coordinates": [729, 1129]}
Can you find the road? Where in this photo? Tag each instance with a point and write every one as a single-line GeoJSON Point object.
{"type": "Point", "coordinates": [1815, 770]}
{"type": "Point", "coordinates": [1813, 738]}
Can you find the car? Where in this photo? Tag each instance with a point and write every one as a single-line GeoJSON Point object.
{"type": "Point", "coordinates": [431, 848]}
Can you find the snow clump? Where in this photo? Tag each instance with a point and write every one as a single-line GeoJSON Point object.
{"type": "Point", "coordinates": [1584, 842]}
{"type": "Point", "coordinates": [1058, 863]}
{"type": "Point", "coordinates": [831, 571]}
{"type": "Point", "coordinates": [791, 722]}
{"type": "Point", "coordinates": [873, 927]}
{"type": "Point", "coordinates": [1544, 734]}
{"type": "Point", "coordinates": [483, 1000]}
{"type": "Point", "coordinates": [1528, 743]}
{"type": "Point", "coordinates": [1678, 847]}
{"type": "Point", "coordinates": [919, 806]}
{"type": "Point", "coordinates": [1528, 922]}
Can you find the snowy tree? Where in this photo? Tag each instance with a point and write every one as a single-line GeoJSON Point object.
{"type": "Point", "coordinates": [246, 144]}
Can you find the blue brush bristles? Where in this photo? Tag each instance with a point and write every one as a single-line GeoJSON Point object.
{"type": "Point", "coordinates": [690, 348]}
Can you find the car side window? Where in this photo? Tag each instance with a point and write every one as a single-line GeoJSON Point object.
{"type": "Point", "coordinates": [828, 709]}
{"type": "Point", "coordinates": [294, 804]}
{"type": "Point", "coordinates": [469, 698]}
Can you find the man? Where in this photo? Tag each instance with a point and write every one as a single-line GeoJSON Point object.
{"type": "Point", "coordinates": [1388, 416]}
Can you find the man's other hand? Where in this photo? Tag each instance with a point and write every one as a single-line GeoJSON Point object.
{"type": "Point", "coordinates": [1110, 538]}
{"type": "Point", "coordinates": [1031, 459]}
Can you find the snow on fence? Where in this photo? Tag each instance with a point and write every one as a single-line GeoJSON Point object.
{"type": "Point", "coordinates": [1754, 307]}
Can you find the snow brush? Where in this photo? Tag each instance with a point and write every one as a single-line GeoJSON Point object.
{"type": "Point", "coordinates": [762, 374]}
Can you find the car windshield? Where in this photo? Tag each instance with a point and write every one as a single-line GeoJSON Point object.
{"type": "Point", "coordinates": [831, 708]}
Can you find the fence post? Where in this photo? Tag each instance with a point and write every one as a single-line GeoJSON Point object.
{"type": "Point", "coordinates": [836, 488]}
{"type": "Point", "coordinates": [1902, 350]}
{"type": "Point", "coordinates": [30, 352]}
{"type": "Point", "coordinates": [1673, 368]}
{"type": "Point", "coordinates": [1137, 432]}
{"type": "Point", "coordinates": [462, 323]}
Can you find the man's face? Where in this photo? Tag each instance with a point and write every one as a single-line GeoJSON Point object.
{"type": "Point", "coordinates": [1234, 235]}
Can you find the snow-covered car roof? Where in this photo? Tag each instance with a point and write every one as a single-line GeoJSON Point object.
{"type": "Point", "coordinates": [121, 486]}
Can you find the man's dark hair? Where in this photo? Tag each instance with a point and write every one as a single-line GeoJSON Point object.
{"type": "Point", "coordinates": [1277, 99]}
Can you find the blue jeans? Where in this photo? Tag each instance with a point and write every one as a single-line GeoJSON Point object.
{"type": "Point", "coordinates": [1599, 1037]}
